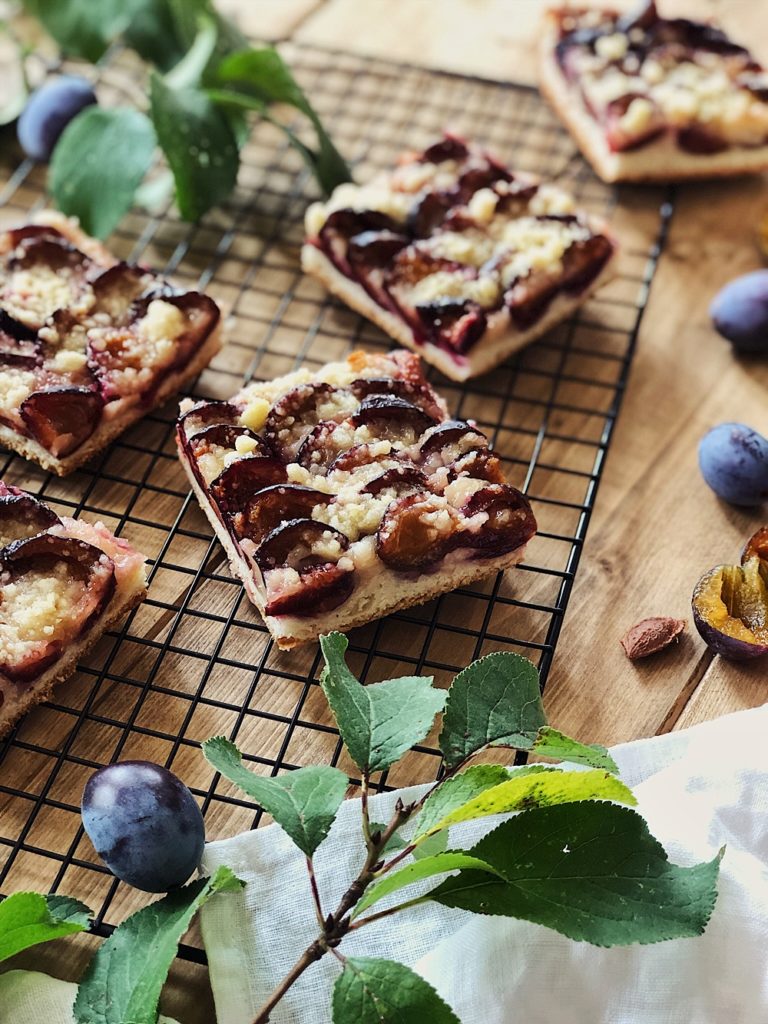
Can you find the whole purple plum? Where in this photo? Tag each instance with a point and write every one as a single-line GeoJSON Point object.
{"type": "Point", "coordinates": [144, 823]}
{"type": "Point", "coordinates": [734, 461]}
{"type": "Point", "coordinates": [48, 112]}
{"type": "Point", "coordinates": [739, 312]}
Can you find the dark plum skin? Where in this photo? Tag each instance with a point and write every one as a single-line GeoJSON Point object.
{"type": "Point", "coordinates": [62, 418]}
{"type": "Point", "coordinates": [733, 459]}
{"type": "Point", "coordinates": [233, 488]}
{"type": "Point", "coordinates": [273, 505]}
{"type": "Point", "coordinates": [730, 603]}
{"type": "Point", "coordinates": [48, 112]}
{"type": "Point", "coordinates": [406, 541]}
{"type": "Point", "coordinates": [510, 521]}
{"type": "Point", "coordinates": [739, 312]}
{"type": "Point", "coordinates": [144, 824]}
{"type": "Point", "coordinates": [23, 516]}
{"type": "Point", "coordinates": [323, 585]}
{"type": "Point", "coordinates": [390, 411]}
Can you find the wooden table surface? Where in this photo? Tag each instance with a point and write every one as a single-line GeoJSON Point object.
{"type": "Point", "coordinates": [656, 526]}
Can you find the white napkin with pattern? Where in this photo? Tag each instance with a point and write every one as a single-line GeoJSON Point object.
{"type": "Point", "coordinates": [698, 789]}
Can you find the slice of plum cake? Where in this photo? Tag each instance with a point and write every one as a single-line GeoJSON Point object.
{"type": "Point", "coordinates": [651, 98]}
{"type": "Point", "coordinates": [63, 582]}
{"type": "Point", "coordinates": [345, 494]}
{"type": "Point", "coordinates": [456, 256]}
{"type": "Point", "coordinates": [87, 344]}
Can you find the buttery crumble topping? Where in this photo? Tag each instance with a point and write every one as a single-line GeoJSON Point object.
{"type": "Point", "coordinates": [450, 240]}
{"type": "Point", "coordinates": [664, 73]}
{"type": "Point", "coordinates": [306, 499]}
{"type": "Point", "coordinates": [89, 330]}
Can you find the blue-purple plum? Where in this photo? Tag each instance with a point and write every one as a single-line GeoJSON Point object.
{"type": "Point", "coordinates": [48, 112]}
{"type": "Point", "coordinates": [734, 461]}
{"type": "Point", "coordinates": [144, 824]}
{"type": "Point", "coordinates": [739, 312]}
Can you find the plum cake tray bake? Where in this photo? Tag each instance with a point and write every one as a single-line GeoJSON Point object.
{"type": "Point", "coordinates": [346, 494]}
{"type": "Point", "coordinates": [458, 256]}
{"type": "Point", "coordinates": [195, 659]}
{"type": "Point", "coordinates": [63, 582]}
{"type": "Point", "coordinates": [655, 98]}
{"type": "Point", "coordinates": [88, 344]}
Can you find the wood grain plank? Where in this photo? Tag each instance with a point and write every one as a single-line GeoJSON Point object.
{"type": "Point", "coordinates": [724, 688]}
{"type": "Point", "coordinates": [657, 526]}
{"type": "Point", "coordinates": [267, 19]}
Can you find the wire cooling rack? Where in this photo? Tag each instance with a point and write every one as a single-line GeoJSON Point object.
{"type": "Point", "coordinates": [195, 660]}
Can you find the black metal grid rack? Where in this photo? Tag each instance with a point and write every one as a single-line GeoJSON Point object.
{"type": "Point", "coordinates": [195, 659]}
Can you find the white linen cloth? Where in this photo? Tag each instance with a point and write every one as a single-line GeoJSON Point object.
{"type": "Point", "coordinates": [698, 788]}
{"type": "Point", "coordinates": [29, 997]}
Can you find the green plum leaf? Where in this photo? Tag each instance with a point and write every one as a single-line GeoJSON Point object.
{"type": "Point", "coordinates": [123, 980]}
{"type": "Point", "coordinates": [199, 144]}
{"type": "Point", "coordinates": [521, 791]}
{"type": "Point", "coordinates": [591, 871]}
{"type": "Point", "coordinates": [456, 790]}
{"type": "Point", "coordinates": [152, 33]}
{"type": "Point", "coordinates": [418, 870]}
{"type": "Point", "coordinates": [431, 845]}
{"type": "Point", "coordinates": [372, 991]}
{"type": "Point", "coordinates": [263, 77]}
{"type": "Point", "coordinates": [84, 28]}
{"type": "Point", "coordinates": [188, 72]}
{"type": "Point", "coordinates": [550, 742]}
{"type": "Point", "coordinates": [303, 802]}
{"type": "Point", "coordinates": [98, 164]}
{"type": "Point", "coordinates": [379, 722]}
{"type": "Point", "coordinates": [494, 701]}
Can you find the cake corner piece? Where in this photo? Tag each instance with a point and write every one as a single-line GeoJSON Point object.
{"type": "Point", "coordinates": [63, 583]}
{"type": "Point", "coordinates": [456, 256]}
{"type": "Point", "coordinates": [348, 493]}
{"type": "Point", "coordinates": [652, 99]}
{"type": "Point", "coordinates": [88, 345]}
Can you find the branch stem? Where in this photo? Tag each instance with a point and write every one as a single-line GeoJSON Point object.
{"type": "Point", "coordinates": [311, 955]}
{"type": "Point", "coordinates": [365, 783]}
{"type": "Point", "coordinates": [315, 893]}
{"type": "Point", "coordinates": [361, 922]}
{"type": "Point", "coordinates": [412, 809]}
{"type": "Point", "coordinates": [334, 927]}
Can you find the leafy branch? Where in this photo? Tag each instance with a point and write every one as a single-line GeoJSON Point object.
{"type": "Point", "coordinates": [205, 82]}
{"type": "Point", "coordinates": [127, 972]}
{"type": "Point", "coordinates": [573, 854]}
{"type": "Point", "coordinates": [568, 850]}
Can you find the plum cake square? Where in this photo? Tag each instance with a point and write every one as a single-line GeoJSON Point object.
{"type": "Point", "coordinates": [87, 345]}
{"type": "Point", "coordinates": [63, 582]}
{"type": "Point", "coordinates": [456, 256]}
{"type": "Point", "coordinates": [649, 98]}
{"type": "Point", "coordinates": [345, 494]}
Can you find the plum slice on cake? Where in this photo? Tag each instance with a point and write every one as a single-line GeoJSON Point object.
{"type": "Point", "coordinates": [63, 582]}
{"type": "Point", "coordinates": [87, 344]}
{"type": "Point", "coordinates": [456, 256]}
{"type": "Point", "coordinates": [649, 98]}
{"type": "Point", "coordinates": [345, 494]}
